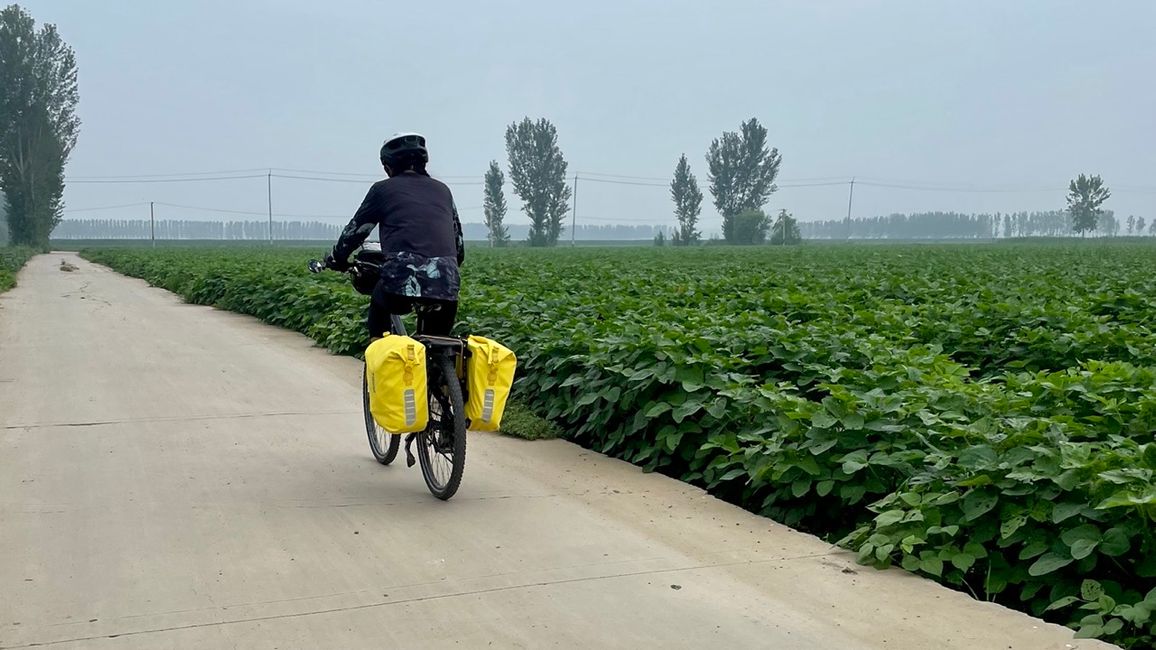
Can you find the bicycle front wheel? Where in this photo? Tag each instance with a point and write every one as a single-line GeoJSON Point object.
{"type": "Point", "coordinates": [383, 445]}
{"type": "Point", "coordinates": [442, 446]}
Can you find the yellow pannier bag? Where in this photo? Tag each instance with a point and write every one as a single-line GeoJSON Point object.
{"type": "Point", "coordinates": [395, 374]}
{"type": "Point", "coordinates": [490, 373]}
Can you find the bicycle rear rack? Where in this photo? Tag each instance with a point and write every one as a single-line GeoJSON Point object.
{"type": "Point", "coordinates": [442, 344]}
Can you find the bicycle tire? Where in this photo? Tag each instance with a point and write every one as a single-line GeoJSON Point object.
{"type": "Point", "coordinates": [378, 438]}
{"type": "Point", "coordinates": [445, 392]}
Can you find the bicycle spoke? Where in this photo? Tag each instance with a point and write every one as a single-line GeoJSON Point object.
{"type": "Point", "coordinates": [441, 450]}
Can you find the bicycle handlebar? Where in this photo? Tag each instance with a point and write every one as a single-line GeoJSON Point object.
{"type": "Point", "coordinates": [355, 267]}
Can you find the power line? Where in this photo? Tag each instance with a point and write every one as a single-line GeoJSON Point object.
{"type": "Point", "coordinates": [585, 175]}
{"type": "Point", "coordinates": [837, 180]}
{"type": "Point", "coordinates": [452, 182]}
{"type": "Point", "coordinates": [252, 213]}
{"type": "Point", "coordinates": [315, 178]}
{"type": "Point", "coordinates": [207, 209]}
{"type": "Point", "coordinates": [324, 173]}
{"type": "Point", "coordinates": [827, 184]}
{"type": "Point", "coordinates": [919, 188]}
{"type": "Point", "coordinates": [362, 182]}
{"type": "Point", "coordinates": [316, 172]}
{"type": "Point", "coordinates": [666, 181]}
{"type": "Point", "coordinates": [174, 174]}
{"type": "Point", "coordinates": [602, 177]}
{"type": "Point", "coordinates": [955, 187]}
{"type": "Point", "coordinates": [222, 172]}
{"type": "Point", "coordinates": [107, 207]}
{"type": "Point", "coordinates": [619, 220]}
{"type": "Point", "coordinates": [359, 182]}
{"type": "Point", "coordinates": [603, 180]}
{"type": "Point", "coordinates": [782, 185]}
{"type": "Point", "coordinates": [169, 180]}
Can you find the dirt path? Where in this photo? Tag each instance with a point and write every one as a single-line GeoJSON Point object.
{"type": "Point", "coordinates": [176, 476]}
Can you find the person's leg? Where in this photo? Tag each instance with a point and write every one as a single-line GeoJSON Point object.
{"type": "Point", "coordinates": [382, 307]}
{"type": "Point", "coordinates": [377, 318]}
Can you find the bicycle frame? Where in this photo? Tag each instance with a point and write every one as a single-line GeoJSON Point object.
{"type": "Point", "coordinates": [435, 345]}
{"type": "Point", "coordinates": [449, 355]}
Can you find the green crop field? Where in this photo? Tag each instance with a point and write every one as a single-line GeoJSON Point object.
{"type": "Point", "coordinates": [983, 415]}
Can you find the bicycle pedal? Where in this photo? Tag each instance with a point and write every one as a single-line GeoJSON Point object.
{"type": "Point", "coordinates": [409, 459]}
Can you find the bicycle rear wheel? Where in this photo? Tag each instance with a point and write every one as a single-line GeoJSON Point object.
{"type": "Point", "coordinates": [442, 446]}
{"type": "Point", "coordinates": [383, 445]}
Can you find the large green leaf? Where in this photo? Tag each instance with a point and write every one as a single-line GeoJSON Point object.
{"type": "Point", "coordinates": [823, 420]}
{"type": "Point", "coordinates": [978, 503]}
{"type": "Point", "coordinates": [1115, 542]}
{"type": "Point", "coordinates": [1048, 563]}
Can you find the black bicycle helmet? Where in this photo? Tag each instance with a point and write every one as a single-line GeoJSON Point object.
{"type": "Point", "coordinates": [403, 150]}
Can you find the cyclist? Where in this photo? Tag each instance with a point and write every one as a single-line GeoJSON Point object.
{"type": "Point", "coordinates": [421, 239]}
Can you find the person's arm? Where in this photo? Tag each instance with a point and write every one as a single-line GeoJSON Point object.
{"type": "Point", "coordinates": [459, 239]}
{"type": "Point", "coordinates": [358, 228]}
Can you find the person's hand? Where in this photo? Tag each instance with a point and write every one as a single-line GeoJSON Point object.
{"type": "Point", "coordinates": [335, 264]}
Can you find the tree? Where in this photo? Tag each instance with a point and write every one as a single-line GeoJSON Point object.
{"type": "Point", "coordinates": [1140, 225]}
{"type": "Point", "coordinates": [1109, 224]}
{"type": "Point", "coordinates": [538, 173]}
{"type": "Point", "coordinates": [785, 231]}
{"type": "Point", "coordinates": [687, 204]}
{"type": "Point", "coordinates": [1131, 223]}
{"type": "Point", "coordinates": [742, 172]}
{"type": "Point", "coordinates": [3, 219]}
{"type": "Point", "coordinates": [1085, 196]}
{"type": "Point", "coordinates": [494, 206]}
{"type": "Point", "coordinates": [660, 239]}
{"type": "Point", "coordinates": [750, 227]}
{"type": "Point", "coordinates": [38, 125]}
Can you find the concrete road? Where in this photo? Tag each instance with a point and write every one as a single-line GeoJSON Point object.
{"type": "Point", "coordinates": [173, 476]}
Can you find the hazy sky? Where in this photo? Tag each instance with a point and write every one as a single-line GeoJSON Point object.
{"type": "Point", "coordinates": [1018, 95]}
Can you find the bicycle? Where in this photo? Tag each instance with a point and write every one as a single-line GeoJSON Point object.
{"type": "Point", "coordinates": [442, 445]}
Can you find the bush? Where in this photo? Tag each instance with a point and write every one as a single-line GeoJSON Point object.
{"type": "Point", "coordinates": [751, 227]}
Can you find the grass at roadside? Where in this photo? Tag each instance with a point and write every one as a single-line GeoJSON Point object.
{"type": "Point", "coordinates": [12, 259]}
{"type": "Point", "coordinates": [520, 422]}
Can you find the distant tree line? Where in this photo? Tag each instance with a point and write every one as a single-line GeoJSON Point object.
{"type": "Point", "coordinates": [301, 230]}
{"type": "Point", "coordinates": [186, 229]}
{"type": "Point", "coordinates": [956, 225]}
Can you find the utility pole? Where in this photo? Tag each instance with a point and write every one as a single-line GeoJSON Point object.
{"type": "Point", "coordinates": [574, 210]}
{"type": "Point", "coordinates": [850, 196]}
{"type": "Point", "coordinates": [152, 225]}
{"type": "Point", "coordinates": [269, 185]}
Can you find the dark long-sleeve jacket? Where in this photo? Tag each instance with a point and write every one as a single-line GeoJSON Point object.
{"type": "Point", "coordinates": [421, 235]}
